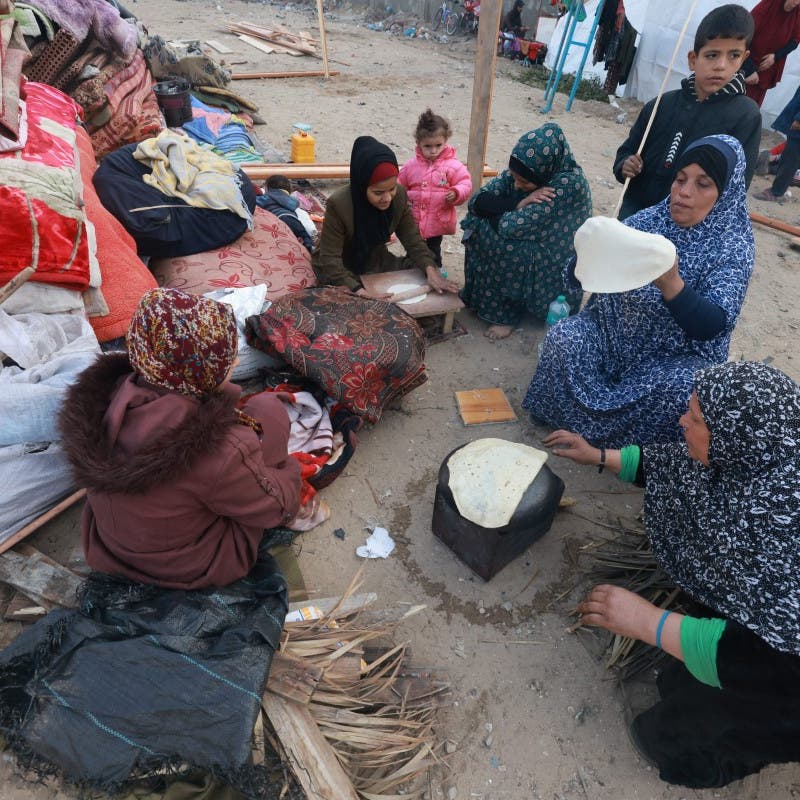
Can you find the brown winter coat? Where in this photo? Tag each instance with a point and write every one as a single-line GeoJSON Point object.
{"type": "Point", "coordinates": [179, 494]}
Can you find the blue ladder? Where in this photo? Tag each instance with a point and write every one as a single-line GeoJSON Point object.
{"type": "Point", "coordinates": [567, 41]}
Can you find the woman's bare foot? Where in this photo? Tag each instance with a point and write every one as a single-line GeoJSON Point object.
{"type": "Point", "coordinates": [496, 332]}
{"type": "Point", "coordinates": [620, 611]}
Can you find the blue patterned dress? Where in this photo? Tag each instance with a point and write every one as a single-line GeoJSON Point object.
{"type": "Point", "coordinates": [622, 370]}
{"type": "Point", "coordinates": [515, 263]}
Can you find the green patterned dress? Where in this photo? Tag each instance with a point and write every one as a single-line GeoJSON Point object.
{"type": "Point", "coordinates": [515, 262]}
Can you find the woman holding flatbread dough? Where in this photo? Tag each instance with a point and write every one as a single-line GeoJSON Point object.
{"type": "Point", "coordinates": [722, 512]}
{"type": "Point", "coordinates": [360, 218]}
{"type": "Point", "coordinates": [622, 369]}
{"type": "Point", "coordinates": [518, 232]}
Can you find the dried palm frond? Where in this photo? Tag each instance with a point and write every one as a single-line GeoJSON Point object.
{"type": "Point", "coordinates": [378, 717]}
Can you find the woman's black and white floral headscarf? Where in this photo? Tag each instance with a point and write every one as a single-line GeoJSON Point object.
{"type": "Point", "coordinates": [729, 533]}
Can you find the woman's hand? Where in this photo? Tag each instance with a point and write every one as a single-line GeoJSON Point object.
{"type": "Point", "coordinates": [670, 284]}
{"type": "Point", "coordinates": [362, 292]}
{"type": "Point", "coordinates": [544, 194]}
{"type": "Point", "coordinates": [632, 166]}
{"type": "Point", "coordinates": [752, 78]}
{"type": "Point", "coordinates": [438, 282]}
{"type": "Point", "coordinates": [766, 62]}
{"type": "Point", "coordinates": [572, 446]}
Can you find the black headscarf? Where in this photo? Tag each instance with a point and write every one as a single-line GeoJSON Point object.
{"type": "Point", "coordinates": [727, 533]}
{"type": "Point", "coordinates": [371, 225]}
{"type": "Point", "coordinates": [715, 157]}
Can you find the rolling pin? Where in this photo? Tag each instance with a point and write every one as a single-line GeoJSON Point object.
{"type": "Point", "coordinates": [409, 293]}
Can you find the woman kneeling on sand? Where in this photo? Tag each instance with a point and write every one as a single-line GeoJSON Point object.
{"type": "Point", "coordinates": [722, 512]}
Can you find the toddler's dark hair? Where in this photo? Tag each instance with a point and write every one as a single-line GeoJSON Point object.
{"type": "Point", "coordinates": [730, 21]}
{"type": "Point", "coordinates": [279, 182]}
{"type": "Point", "coordinates": [429, 124]}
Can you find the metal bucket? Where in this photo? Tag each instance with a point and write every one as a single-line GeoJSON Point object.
{"type": "Point", "coordinates": [174, 101]}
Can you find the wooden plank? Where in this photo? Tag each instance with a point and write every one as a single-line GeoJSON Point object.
{"type": "Point", "coordinates": [311, 73]}
{"type": "Point", "coordinates": [8, 543]}
{"type": "Point", "coordinates": [775, 224]}
{"type": "Point", "coordinates": [39, 577]}
{"type": "Point", "coordinates": [23, 609]}
{"type": "Point", "coordinates": [293, 678]}
{"type": "Point", "coordinates": [257, 43]}
{"type": "Point", "coordinates": [477, 406]}
{"type": "Point", "coordinates": [327, 604]}
{"type": "Point", "coordinates": [218, 46]}
{"type": "Point", "coordinates": [312, 758]}
{"type": "Point", "coordinates": [318, 171]}
{"type": "Point", "coordinates": [482, 88]}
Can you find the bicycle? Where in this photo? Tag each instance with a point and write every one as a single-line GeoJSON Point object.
{"type": "Point", "coordinates": [445, 15]}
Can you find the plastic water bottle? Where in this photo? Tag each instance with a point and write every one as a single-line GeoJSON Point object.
{"type": "Point", "coordinates": [557, 310]}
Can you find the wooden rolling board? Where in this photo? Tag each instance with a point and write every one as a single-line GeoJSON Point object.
{"type": "Point", "coordinates": [477, 406]}
{"type": "Point", "coordinates": [433, 304]}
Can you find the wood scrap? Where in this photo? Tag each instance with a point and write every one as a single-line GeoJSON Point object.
{"type": "Point", "coordinates": [293, 678]}
{"type": "Point", "coordinates": [41, 520]}
{"type": "Point", "coordinates": [343, 606]}
{"type": "Point", "coordinates": [23, 609]}
{"type": "Point", "coordinates": [39, 577]}
{"type": "Point", "coordinates": [317, 171]}
{"type": "Point", "coordinates": [276, 36]}
{"type": "Point", "coordinates": [218, 46]}
{"type": "Point", "coordinates": [775, 224]}
{"type": "Point", "coordinates": [313, 760]}
{"type": "Point", "coordinates": [264, 48]}
{"type": "Point", "coordinates": [311, 73]}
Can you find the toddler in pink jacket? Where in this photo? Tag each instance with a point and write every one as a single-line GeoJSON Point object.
{"type": "Point", "coordinates": [436, 181]}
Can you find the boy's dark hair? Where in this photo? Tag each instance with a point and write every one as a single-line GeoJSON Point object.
{"type": "Point", "coordinates": [429, 124]}
{"type": "Point", "coordinates": [279, 182]}
{"type": "Point", "coordinates": [730, 21]}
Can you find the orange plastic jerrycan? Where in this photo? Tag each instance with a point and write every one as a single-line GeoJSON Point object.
{"type": "Point", "coordinates": [303, 144]}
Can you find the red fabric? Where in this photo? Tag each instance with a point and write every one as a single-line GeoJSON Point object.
{"type": "Point", "coordinates": [42, 221]}
{"type": "Point", "coordinates": [382, 172]}
{"type": "Point", "coordinates": [269, 254]}
{"type": "Point", "coordinates": [125, 277]}
{"type": "Point", "coordinates": [774, 28]}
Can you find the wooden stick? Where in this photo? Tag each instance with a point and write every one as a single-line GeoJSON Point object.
{"type": "Point", "coordinates": [323, 38]}
{"type": "Point", "coordinates": [312, 73]}
{"type": "Point", "coordinates": [39, 521]}
{"type": "Point", "coordinates": [340, 171]}
{"type": "Point", "coordinates": [776, 224]}
{"type": "Point", "coordinates": [656, 104]}
{"type": "Point", "coordinates": [14, 284]}
{"type": "Point", "coordinates": [409, 293]}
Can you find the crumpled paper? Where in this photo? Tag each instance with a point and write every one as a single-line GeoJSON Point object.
{"type": "Point", "coordinates": [378, 545]}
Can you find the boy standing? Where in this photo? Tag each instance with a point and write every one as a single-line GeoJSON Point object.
{"type": "Point", "coordinates": [711, 100]}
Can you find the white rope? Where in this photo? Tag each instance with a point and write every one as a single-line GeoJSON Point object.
{"type": "Point", "coordinates": [658, 101]}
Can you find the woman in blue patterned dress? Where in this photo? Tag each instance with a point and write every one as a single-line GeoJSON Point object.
{"type": "Point", "coordinates": [622, 369]}
{"type": "Point", "coordinates": [519, 229]}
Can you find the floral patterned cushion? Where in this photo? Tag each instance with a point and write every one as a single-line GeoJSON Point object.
{"type": "Point", "coordinates": [268, 254]}
{"type": "Point", "coordinates": [361, 352]}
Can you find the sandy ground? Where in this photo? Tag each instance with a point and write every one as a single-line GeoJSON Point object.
{"type": "Point", "coordinates": [535, 715]}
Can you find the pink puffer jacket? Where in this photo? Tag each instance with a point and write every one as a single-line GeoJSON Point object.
{"type": "Point", "coordinates": [428, 184]}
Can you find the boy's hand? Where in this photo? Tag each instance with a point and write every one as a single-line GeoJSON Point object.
{"type": "Point", "coordinates": [450, 197]}
{"type": "Point", "coordinates": [632, 166]}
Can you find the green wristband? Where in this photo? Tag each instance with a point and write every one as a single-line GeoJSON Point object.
{"type": "Point", "coordinates": [629, 458]}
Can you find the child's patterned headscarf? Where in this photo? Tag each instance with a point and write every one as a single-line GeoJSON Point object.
{"type": "Point", "coordinates": [182, 342]}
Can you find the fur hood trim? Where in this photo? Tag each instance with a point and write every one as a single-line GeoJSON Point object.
{"type": "Point", "coordinates": [160, 462]}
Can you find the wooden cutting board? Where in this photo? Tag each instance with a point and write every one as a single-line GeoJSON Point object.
{"type": "Point", "coordinates": [478, 406]}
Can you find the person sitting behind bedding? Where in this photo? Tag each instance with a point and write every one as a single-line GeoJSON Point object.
{"type": "Point", "coordinates": [182, 482]}
{"type": "Point", "coordinates": [277, 199]}
{"type": "Point", "coordinates": [711, 100]}
{"type": "Point", "coordinates": [721, 511]}
{"type": "Point", "coordinates": [623, 367]}
{"type": "Point", "coordinates": [359, 219]}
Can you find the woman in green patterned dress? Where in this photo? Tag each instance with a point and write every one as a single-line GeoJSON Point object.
{"type": "Point", "coordinates": [519, 229]}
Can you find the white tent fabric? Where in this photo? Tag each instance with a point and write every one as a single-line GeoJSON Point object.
{"type": "Point", "coordinates": [659, 24]}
